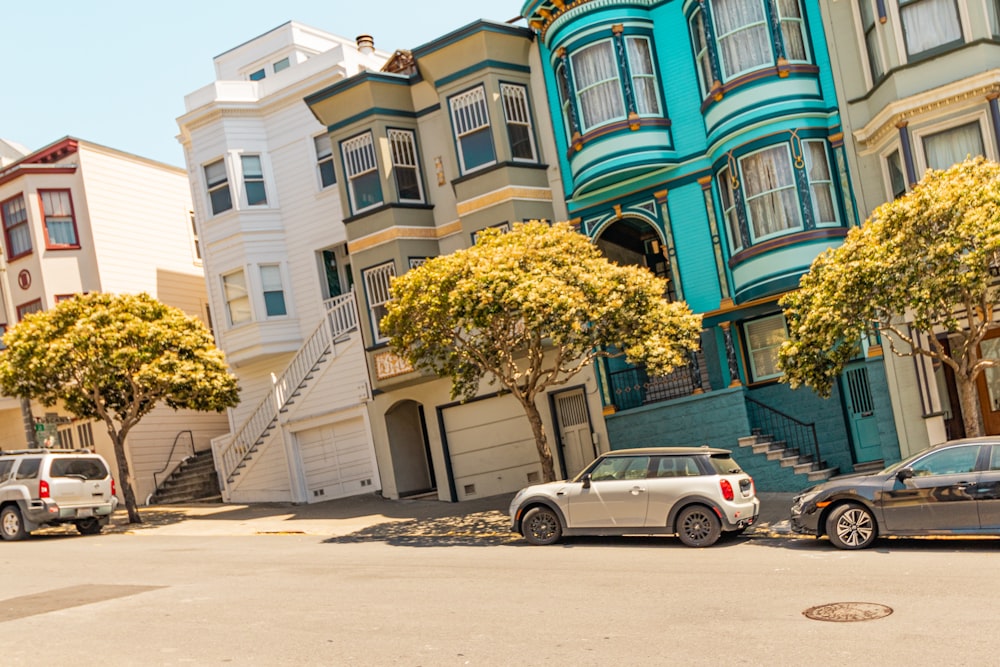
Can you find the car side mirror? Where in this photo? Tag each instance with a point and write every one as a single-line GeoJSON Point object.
{"type": "Point", "coordinates": [586, 481]}
{"type": "Point", "coordinates": [904, 474]}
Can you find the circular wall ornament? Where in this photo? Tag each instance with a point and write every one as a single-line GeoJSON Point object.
{"type": "Point", "coordinates": [24, 279]}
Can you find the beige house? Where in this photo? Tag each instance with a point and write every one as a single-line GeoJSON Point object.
{"type": "Point", "coordinates": [77, 218]}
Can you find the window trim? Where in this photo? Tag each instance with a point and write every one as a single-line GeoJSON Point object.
{"type": "Point", "coordinates": [831, 182]}
{"type": "Point", "coordinates": [754, 238]}
{"type": "Point", "coordinates": [264, 291]}
{"type": "Point", "coordinates": [28, 307]}
{"type": "Point", "coordinates": [256, 178]}
{"type": "Point", "coordinates": [724, 179]}
{"type": "Point", "coordinates": [700, 33]}
{"type": "Point", "coordinates": [358, 152]}
{"type": "Point", "coordinates": [49, 244]}
{"type": "Point", "coordinates": [406, 139]}
{"type": "Point", "coordinates": [461, 124]}
{"type": "Point", "coordinates": [376, 281]}
{"type": "Point", "coordinates": [979, 116]}
{"type": "Point", "coordinates": [653, 76]}
{"type": "Point", "coordinates": [751, 364]}
{"type": "Point", "coordinates": [228, 301]}
{"type": "Point", "coordinates": [904, 46]}
{"type": "Point", "coordinates": [578, 91]}
{"type": "Point", "coordinates": [520, 106]}
{"type": "Point", "coordinates": [720, 55]}
{"type": "Point", "coordinates": [862, 35]}
{"type": "Point", "coordinates": [212, 187]}
{"type": "Point", "coordinates": [26, 223]}
{"type": "Point", "coordinates": [324, 159]}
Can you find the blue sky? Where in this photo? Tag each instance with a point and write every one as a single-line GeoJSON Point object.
{"type": "Point", "coordinates": [115, 72]}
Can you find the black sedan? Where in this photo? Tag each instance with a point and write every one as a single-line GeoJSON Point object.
{"type": "Point", "coordinates": [950, 489]}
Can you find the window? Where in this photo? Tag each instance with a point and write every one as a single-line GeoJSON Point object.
{"type": "Point", "coordinates": [868, 24]}
{"type": "Point", "coordinates": [218, 186]}
{"type": "Point", "coordinates": [15, 227]}
{"type": "Point", "coordinates": [743, 39]}
{"type": "Point", "coordinates": [281, 64]}
{"type": "Point", "coordinates": [640, 61]}
{"type": "Point", "coordinates": [194, 236]}
{"type": "Point", "coordinates": [897, 182]}
{"type": "Point", "coordinates": [929, 24]}
{"type": "Point", "coordinates": [234, 288]}
{"type": "Point", "coordinates": [821, 190]}
{"type": "Point", "coordinates": [702, 57]}
{"type": "Point", "coordinates": [405, 168]}
{"type": "Point", "coordinates": [253, 180]}
{"type": "Point", "coordinates": [365, 188]}
{"type": "Point", "coordinates": [763, 338]}
{"type": "Point", "coordinates": [28, 308]}
{"type": "Point", "coordinates": [518, 118]}
{"type": "Point", "coordinates": [28, 469]}
{"type": "Point", "coordinates": [769, 187]}
{"type": "Point", "coordinates": [616, 468]}
{"type": "Point", "coordinates": [258, 75]}
{"type": "Point", "coordinates": [729, 210]}
{"type": "Point", "coordinates": [274, 294]}
{"type": "Point", "coordinates": [471, 121]}
{"type": "Point", "coordinates": [60, 227]}
{"type": "Point", "coordinates": [564, 98]}
{"type": "Point", "coordinates": [598, 90]}
{"type": "Point", "coordinates": [993, 9]}
{"type": "Point", "coordinates": [945, 148]}
{"type": "Point", "coordinates": [324, 160]}
{"type": "Point", "coordinates": [792, 30]}
{"type": "Point", "coordinates": [951, 461]}
{"type": "Point", "coordinates": [377, 281]}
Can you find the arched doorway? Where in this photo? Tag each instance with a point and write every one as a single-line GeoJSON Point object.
{"type": "Point", "coordinates": [411, 459]}
{"type": "Point", "coordinates": [634, 241]}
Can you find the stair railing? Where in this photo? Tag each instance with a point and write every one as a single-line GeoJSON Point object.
{"type": "Point", "coordinates": [341, 316]}
{"type": "Point", "coordinates": [797, 434]}
{"type": "Point", "coordinates": [170, 457]}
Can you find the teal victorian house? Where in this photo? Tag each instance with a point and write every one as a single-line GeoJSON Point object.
{"type": "Point", "coordinates": [702, 139]}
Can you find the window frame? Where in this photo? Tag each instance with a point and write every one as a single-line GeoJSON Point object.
{"type": "Point", "coordinates": [46, 217]}
{"type": "Point", "coordinates": [24, 224]}
{"type": "Point", "coordinates": [702, 53]}
{"type": "Point", "coordinates": [870, 38]}
{"type": "Point", "coordinates": [770, 348]}
{"type": "Point", "coordinates": [274, 270]}
{"type": "Point", "coordinates": [325, 169]}
{"type": "Point", "coordinates": [652, 76]}
{"type": "Point", "coordinates": [720, 38]}
{"type": "Point", "coordinates": [213, 187]}
{"type": "Point", "coordinates": [360, 161]}
{"type": "Point", "coordinates": [747, 199]}
{"type": "Point", "coordinates": [405, 158]}
{"type": "Point", "coordinates": [830, 182]}
{"type": "Point", "coordinates": [28, 307]}
{"type": "Point", "coordinates": [901, 7]}
{"type": "Point", "coordinates": [803, 32]}
{"type": "Point", "coordinates": [377, 280]}
{"type": "Point", "coordinates": [920, 135]}
{"type": "Point", "coordinates": [253, 178]}
{"type": "Point", "coordinates": [470, 120]}
{"type": "Point", "coordinates": [229, 299]}
{"type": "Point", "coordinates": [730, 210]}
{"type": "Point", "coordinates": [580, 91]}
{"type": "Point", "coordinates": [517, 113]}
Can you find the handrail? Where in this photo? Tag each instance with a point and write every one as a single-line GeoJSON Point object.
{"type": "Point", "coordinates": [796, 433]}
{"type": "Point", "coordinates": [170, 456]}
{"type": "Point", "coordinates": [340, 317]}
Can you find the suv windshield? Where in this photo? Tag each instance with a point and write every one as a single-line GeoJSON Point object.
{"type": "Point", "coordinates": [78, 467]}
{"type": "Point", "coordinates": [724, 464]}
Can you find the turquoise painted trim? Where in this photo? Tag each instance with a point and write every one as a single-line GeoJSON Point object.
{"type": "Point", "coordinates": [778, 286]}
{"type": "Point", "coordinates": [772, 130]}
{"type": "Point", "coordinates": [792, 238]}
{"type": "Point", "coordinates": [357, 80]}
{"type": "Point", "coordinates": [480, 66]}
{"type": "Point", "coordinates": [368, 113]}
{"type": "Point", "coordinates": [598, 201]}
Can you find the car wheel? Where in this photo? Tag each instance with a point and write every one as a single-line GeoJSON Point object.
{"type": "Point", "coordinates": [851, 526]}
{"type": "Point", "coordinates": [541, 526]}
{"type": "Point", "coordinates": [698, 526]}
{"type": "Point", "coordinates": [11, 525]}
{"type": "Point", "coordinates": [90, 526]}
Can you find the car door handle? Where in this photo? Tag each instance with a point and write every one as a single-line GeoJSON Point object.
{"type": "Point", "coordinates": [636, 490]}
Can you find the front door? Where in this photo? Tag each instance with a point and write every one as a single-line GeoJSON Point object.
{"type": "Point", "coordinates": [988, 385]}
{"type": "Point", "coordinates": [861, 415]}
{"type": "Point", "coordinates": [574, 431]}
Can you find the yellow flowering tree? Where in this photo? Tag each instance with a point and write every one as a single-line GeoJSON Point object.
{"type": "Point", "coordinates": [113, 358]}
{"type": "Point", "coordinates": [530, 308]}
{"type": "Point", "coordinates": [920, 267]}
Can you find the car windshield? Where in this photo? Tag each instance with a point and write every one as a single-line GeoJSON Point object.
{"type": "Point", "coordinates": [79, 467]}
{"type": "Point", "coordinates": [724, 464]}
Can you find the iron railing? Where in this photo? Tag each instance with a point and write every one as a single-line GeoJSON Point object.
{"type": "Point", "coordinates": [632, 387]}
{"type": "Point", "coordinates": [796, 434]}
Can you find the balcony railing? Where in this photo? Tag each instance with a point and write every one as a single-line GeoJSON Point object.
{"type": "Point", "coordinates": [633, 387]}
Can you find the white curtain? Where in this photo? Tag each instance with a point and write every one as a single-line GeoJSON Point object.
{"type": "Point", "coordinates": [820, 182]}
{"type": "Point", "coordinates": [741, 30]}
{"type": "Point", "coordinates": [729, 210]}
{"type": "Point", "coordinates": [791, 30]}
{"type": "Point", "coordinates": [946, 148]}
{"type": "Point", "coordinates": [640, 61]}
{"type": "Point", "coordinates": [597, 86]}
{"type": "Point", "coordinates": [769, 186]}
{"type": "Point", "coordinates": [929, 23]}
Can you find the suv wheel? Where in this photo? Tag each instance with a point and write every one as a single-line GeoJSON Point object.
{"type": "Point", "coordinates": [11, 525]}
{"type": "Point", "coordinates": [541, 526]}
{"type": "Point", "coordinates": [697, 526]}
{"type": "Point", "coordinates": [89, 526]}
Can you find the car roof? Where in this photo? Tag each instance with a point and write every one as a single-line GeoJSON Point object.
{"type": "Point", "coordinates": [667, 451]}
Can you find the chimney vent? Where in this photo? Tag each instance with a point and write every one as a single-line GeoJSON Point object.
{"type": "Point", "coordinates": [366, 44]}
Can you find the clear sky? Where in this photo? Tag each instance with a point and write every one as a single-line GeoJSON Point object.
{"type": "Point", "coordinates": [115, 72]}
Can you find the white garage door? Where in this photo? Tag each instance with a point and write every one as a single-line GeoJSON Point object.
{"type": "Point", "coordinates": [337, 460]}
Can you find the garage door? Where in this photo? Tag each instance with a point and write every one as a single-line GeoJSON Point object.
{"type": "Point", "coordinates": [337, 460]}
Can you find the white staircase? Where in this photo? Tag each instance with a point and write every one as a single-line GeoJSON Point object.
{"type": "Point", "coordinates": [232, 456]}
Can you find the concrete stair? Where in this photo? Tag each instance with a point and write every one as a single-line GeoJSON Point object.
{"type": "Point", "coordinates": [194, 480]}
{"type": "Point", "coordinates": [779, 452]}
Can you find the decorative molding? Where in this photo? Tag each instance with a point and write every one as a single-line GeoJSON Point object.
{"type": "Point", "coordinates": [388, 365]}
{"type": "Point", "coordinates": [500, 196]}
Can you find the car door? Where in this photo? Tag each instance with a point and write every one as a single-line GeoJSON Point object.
{"type": "Point", "coordinates": [988, 491]}
{"type": "Point", "coordinates": [938, 497]}
{"type": "Point", "coordinates": [616, 497]}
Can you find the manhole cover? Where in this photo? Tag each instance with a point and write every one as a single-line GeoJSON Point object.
{"type": "Point", "coordinates": [848, 611]}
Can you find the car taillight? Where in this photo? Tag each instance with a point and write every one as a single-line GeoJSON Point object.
{"type": "Point", "coordinates": [113, 487]}
{"type": "Point", "coordinates": [727, 489]}
{"type": "Point", "coordinates": [43, 489]}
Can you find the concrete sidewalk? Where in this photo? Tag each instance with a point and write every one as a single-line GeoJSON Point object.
{"type": "Point", "coordinates": [368, 517]}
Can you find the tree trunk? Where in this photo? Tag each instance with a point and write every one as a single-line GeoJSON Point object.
{"type": "Point", "coordinates": [126, 479]}
{"type": "Point", "coordinates": [968, 398]}
{"type": "Point", "coordinates": [538, 429]}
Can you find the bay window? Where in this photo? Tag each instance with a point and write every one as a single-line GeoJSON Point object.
{"type": "Point", "coordinates": [763, 339]}
{"type": "Point", "coordinates": [640, 62]}
{"type": "Point", "coordinates": [518, 118]}
{"type": "Point", "coordinates": [217, 181]}
{"type": "Point", "coordinates": [770, 193]}
{"type": "Point", "coordinates": [16, 231]}
{"type": "Point", "coordinates": [821, 191]}
{"type": "Point", "coordinates": [947, 147]}
{"type": "Point", "coordinates": [253, 180]}
{"type": "Point", "coordinates": [273, 290]}
{"type": "Point", "coordinates": [376, 281]}
{"type": "Point", "coordinates": [60, 225]}
{"type": "Point", "coordinates": [234, 290]}
{"type": "Point", "coordinates": [598, 89]}
{"type": "Point", "coordinates": [742, 36]}
{"type": "Point", "coordinates": [364, 185]}
{"type": "Point", "coordinates": [405, 165]}
{"type": "Point", "coordinates": [929, 25]}
{"type": "Point", "coordinates": [471, 122]}
{"type": "Point", "coordinates": [868, 24]}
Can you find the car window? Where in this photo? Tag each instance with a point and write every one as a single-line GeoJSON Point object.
{"type": "Point", "coordinates": [724, 464]}
{"type": "Point", "coordinates": [677, 466]}
{"type": "Point", "coordinates": [952, 461]}
{"type": "Point", "coordinates": [5, 468]}
{"type": "Point", "coordinates": [78, 467]}
{"type": "Point", "coordinates": [621, 467]}
{"type": "Point", "coordinates": [995, 458]}
{"type": "Point", "coordinates": [27, 469]}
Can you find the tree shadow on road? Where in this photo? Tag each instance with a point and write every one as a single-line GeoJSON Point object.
{"type": "Point", "coordinates": [478, 529]}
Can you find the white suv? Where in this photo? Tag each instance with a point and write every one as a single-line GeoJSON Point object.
{"type": "Point", "coordinates": [696, 493]}
{"type": "Point", "coordinates": [52, 486]}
